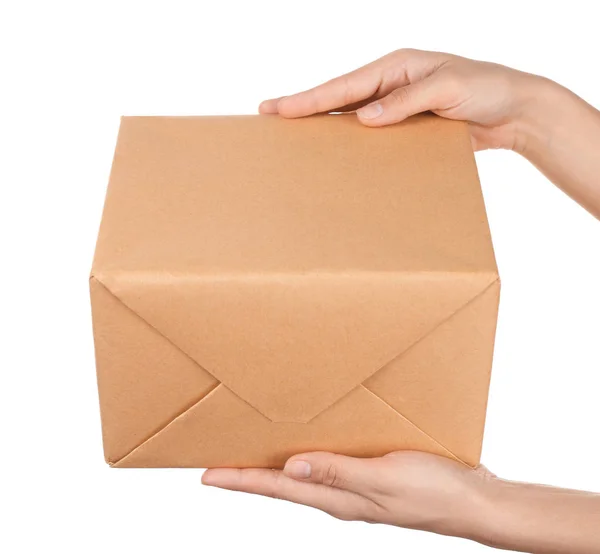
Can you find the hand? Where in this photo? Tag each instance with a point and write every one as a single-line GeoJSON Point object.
{"type": "Point", "coordinates": [552, 127]}
{"type": "Point", "coordinates": [423, 491]}
{"type": "Point", "coordinates": [494, 99]}
{"type": "Point", "coordinates": [407, 489]}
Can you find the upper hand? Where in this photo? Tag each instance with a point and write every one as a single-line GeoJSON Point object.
{"type": "Point", "coordinates": [492, 98]}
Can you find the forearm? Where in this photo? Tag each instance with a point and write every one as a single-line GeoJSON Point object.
{"type": "Point", "coordinates": [560, 134]}
{"type": "Point", "coordinates": [536, 518]}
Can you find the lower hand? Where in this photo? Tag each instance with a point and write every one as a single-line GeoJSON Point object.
{"type": "Point", "coordinates": [407, 489]}
{"type": "Point", "coordinates": [423, 491]}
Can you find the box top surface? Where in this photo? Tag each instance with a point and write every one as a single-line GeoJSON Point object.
{"type": "Point", "coordinates": [261, 194]}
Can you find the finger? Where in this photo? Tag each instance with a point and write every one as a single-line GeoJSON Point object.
{"type": "Point", "coordinates": [356, 105]}
{"type": "Point", "coordinates": [268, 106]}
{"type": "Point", "coordinates": [403, 102]}
{"type": "Point", "coordinates": [333, 470]}
{"type": "Point", "coordinates": [369, 82]}
{"type": "Point", "coordinates": [276, 484]}
{"type": "Point", "coordinates": [353, 87]}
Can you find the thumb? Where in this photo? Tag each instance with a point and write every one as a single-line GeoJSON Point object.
{"type": "Point", "coordinates": [401, 103]}
{"type": "Point", "coordinates": [333, 470]}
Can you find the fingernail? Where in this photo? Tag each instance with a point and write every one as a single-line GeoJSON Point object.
{"type": "Point", "coordinates": [297, 470]}
{"type": "Point", "coordinates": [370, 111]}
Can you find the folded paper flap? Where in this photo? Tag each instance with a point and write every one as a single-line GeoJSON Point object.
{"type": "Point", "coordinates": [291, 345]}
{"type": "Point", "coordinates": [360, 424]}
{"type": "Point", "coordinates": [259, 194]}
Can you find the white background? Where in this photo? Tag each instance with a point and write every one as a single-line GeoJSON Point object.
{"type": "Point", "coordinates": [69, 70]}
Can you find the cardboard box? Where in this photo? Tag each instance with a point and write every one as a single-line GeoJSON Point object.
{"type": "Point", "coordinates": [263, 287]}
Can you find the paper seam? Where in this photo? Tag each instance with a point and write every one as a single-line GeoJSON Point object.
{"type": "Point", "coordinates": [168, 424]}
{"type": "Point", "coordinates": [415, 343]}
{"type": "Point", "coordinates": [435, 441]}
{"type": "Point", "coordinates": [456, 312]}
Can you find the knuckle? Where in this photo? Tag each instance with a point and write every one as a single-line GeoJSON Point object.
{"type": "Point", "coordinates": [400, 95]}
{"type": "Point", "coordinates": [330, 476]}
{"type": "Point", "coordinates": [346, 86]}
{"type": "Point", "coordinates": [344, 90]}
{"type": "Point", "coordinates": [403, 55]}
{"type": "Point", "coordinates": [275, 490]}
{"type": "Point", "coordinates": [403, 52]}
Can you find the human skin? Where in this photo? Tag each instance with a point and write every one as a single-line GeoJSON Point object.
{"type": "Point", "coordinates": [559, 133]}
{"type": "Point", "coordinates": [552, 127]}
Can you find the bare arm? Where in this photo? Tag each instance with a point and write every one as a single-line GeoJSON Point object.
{"type": "Point", "coordinates": [561, 137]}
{"type": "Point", "coordinates": [547, 520]}
{"type": "Point", "coordinates": [505, 108]}
{"type": "Point", "coordinates": [431, 493]}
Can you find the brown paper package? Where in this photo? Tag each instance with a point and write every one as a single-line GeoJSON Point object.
{"type": "Point", "coordinates": [263, 287]}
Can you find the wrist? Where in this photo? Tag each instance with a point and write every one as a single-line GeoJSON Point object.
{"type": "Point", "coordinates": [488, 510]}
{"type": "Point", "coordinates": [471, 512]}
{"type": "Point", "coordinates": [477, 519]}
{"type": "Point", "coordinates": [542, 106]}
{"type": "Point", "coordinates": [496, 523]}
{"type": "Point", "coordinates": [510, 516]}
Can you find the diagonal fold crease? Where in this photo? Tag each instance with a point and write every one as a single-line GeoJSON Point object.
{"type": "Point", "coordinates": [190, 407]}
